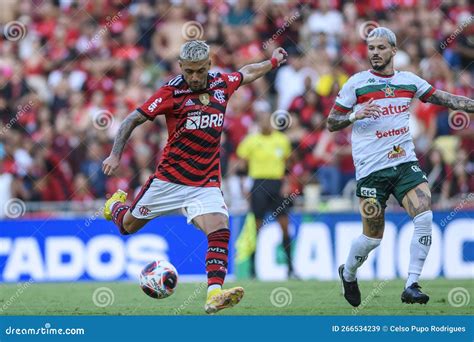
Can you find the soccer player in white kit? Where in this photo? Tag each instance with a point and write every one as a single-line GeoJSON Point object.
{"type": "Point", "coordinates": [376, 102]}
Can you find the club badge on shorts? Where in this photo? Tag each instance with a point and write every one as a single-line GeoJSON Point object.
{"type": "Point", "coordinates": [204, 98]}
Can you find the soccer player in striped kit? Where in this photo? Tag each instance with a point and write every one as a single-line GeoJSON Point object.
{"type": "Point", "coordinates": [188, 175]}
{"type": "Point", "coordinates": [376, 102]}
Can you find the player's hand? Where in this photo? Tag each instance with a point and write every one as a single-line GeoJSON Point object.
{"type": "Point", "coordinates": [280, 54]}
{"type": "Point", "coordinates": [369, 110]}
{"type": "Point", "coordinates": [110, 164]}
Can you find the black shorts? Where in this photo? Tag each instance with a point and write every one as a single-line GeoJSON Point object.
{"type": "Point", "coordinates": [265, 197]}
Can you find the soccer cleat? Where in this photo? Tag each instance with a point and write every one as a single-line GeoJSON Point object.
{"type": "Point", "coordinates": [118, 196]}
{"type": "Point", "coordinates": [219, 299]}
{"type": "Point", "coordinates": [412, 294]}
{"type": "Point", "coordinates": [350, 289]}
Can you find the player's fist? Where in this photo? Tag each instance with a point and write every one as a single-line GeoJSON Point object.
{"type": "Point", "coordinates": [110, 164]}
{"type": "Point", "coordinates": [280, 54]}
{"type": "Point", "coordinates": [368, 110]}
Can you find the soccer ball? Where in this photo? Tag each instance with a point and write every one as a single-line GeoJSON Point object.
{"type": "Point", "coordinates": [159, 279]}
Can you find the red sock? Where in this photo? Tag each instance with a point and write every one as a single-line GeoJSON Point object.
{"type": "Point", "coordinates": [216, 257]}
{"type": "Point", "coordinates": [118, 212]}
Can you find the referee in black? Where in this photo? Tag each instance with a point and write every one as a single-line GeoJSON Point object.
{"type": "Point", "coordinates": [266, 154]}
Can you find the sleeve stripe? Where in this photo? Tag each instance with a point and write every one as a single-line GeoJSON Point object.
{"type": "Point", "coordinates": [427, 94]}
{"type": "Point", "coordinates": [145, 114]}
{"type": "Point", "coordinates": [241, 78]}
{"type": "Point", "coordinates": [341, 108]}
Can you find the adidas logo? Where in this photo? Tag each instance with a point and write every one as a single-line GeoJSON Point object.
{"type": "Point", "coordinates": [189, 103]}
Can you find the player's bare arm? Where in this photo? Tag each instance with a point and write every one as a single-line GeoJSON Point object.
{"type": "Point", "coordinates": [338, 120]}
{"type": "Point", "coordinates": [452, 101]}
{"type": "Point", "coordinates": [133, 120]}
{"type": "Point", "coordinates": [251, 72]}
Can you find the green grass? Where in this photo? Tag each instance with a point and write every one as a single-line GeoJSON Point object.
{"type": "Point", "coordinates": [307, 298]}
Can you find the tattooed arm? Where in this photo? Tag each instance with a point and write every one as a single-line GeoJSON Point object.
{"type": "Point", "coordinates": [338, 120]}
{"type": "Point", "coordinates": [452, 101]}
{"type": "Point", "coordinates": [126, 127]}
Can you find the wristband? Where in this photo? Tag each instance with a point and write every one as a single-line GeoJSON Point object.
{"type": "Point", "coordinates": [352, 117]}
{"type": "Point", "coordinates": [274, 62]}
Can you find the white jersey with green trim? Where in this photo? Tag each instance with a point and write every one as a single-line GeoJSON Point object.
{"type": "Point", "coordinates": [382, 141]}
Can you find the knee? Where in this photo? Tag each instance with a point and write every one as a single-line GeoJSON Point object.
{"type": "Point", "coordinates": [374, 227]}
{"type": "Point", "coordinates": [221, 223]}
{"type": "Point", "coordinates": [378, 234]}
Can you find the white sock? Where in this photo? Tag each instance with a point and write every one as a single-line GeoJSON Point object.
{"type": "Point", "coordinates": [420, 245]}
{"type": "Point", "coordinates": [359, 252]}
{"type": "Point", "coordinates": [112, 205]}
{"type": "Point", "coordinates": [412, 278]}
{"type": "Point", "coordinates": [212, 287]}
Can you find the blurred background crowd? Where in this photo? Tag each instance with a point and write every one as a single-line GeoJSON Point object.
{"type": "Point", "coordinates": [70, 71]}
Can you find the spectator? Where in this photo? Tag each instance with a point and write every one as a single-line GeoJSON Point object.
{"type": "Point", "coordinates": [91, 168]}
{"type": "Point", "coordinates": [437, 173]}
{"type": "Point", "coordinates": [290, 79]}
{"type": "Point", "coordinates": [63, 73]}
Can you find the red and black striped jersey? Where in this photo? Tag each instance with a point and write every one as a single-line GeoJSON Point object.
{"type": "Point", "coordinates": [195, 121]}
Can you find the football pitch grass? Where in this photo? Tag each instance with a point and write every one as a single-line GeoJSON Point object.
{"type": "Point", "coordinates": [261, 298]}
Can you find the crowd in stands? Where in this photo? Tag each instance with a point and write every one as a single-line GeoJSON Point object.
{"type": "Point", "coordinates": [73, 70]}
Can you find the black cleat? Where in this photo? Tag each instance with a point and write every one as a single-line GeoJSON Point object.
{"type": "Point", "coordinates": [412, 294]}
{"type": "Point", "coordinates": [350, 289]}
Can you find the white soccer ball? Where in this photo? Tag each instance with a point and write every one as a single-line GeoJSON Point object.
{"type": "Point", "coordinates": [159, 279]}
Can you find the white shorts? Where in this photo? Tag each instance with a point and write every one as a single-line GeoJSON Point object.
{"type": "Point", "coordinates": [160, 198]}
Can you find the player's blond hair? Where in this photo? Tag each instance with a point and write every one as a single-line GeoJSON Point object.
{"type": "Point", "coordinates": [383, 32]}
{"type": "Point", "coordinates": [194, 51]}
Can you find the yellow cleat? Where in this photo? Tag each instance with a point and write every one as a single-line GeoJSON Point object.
{"type": "Point", "coordinates": [219, 299]}
{"type": "Point", "coordinates": [118, 196]}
